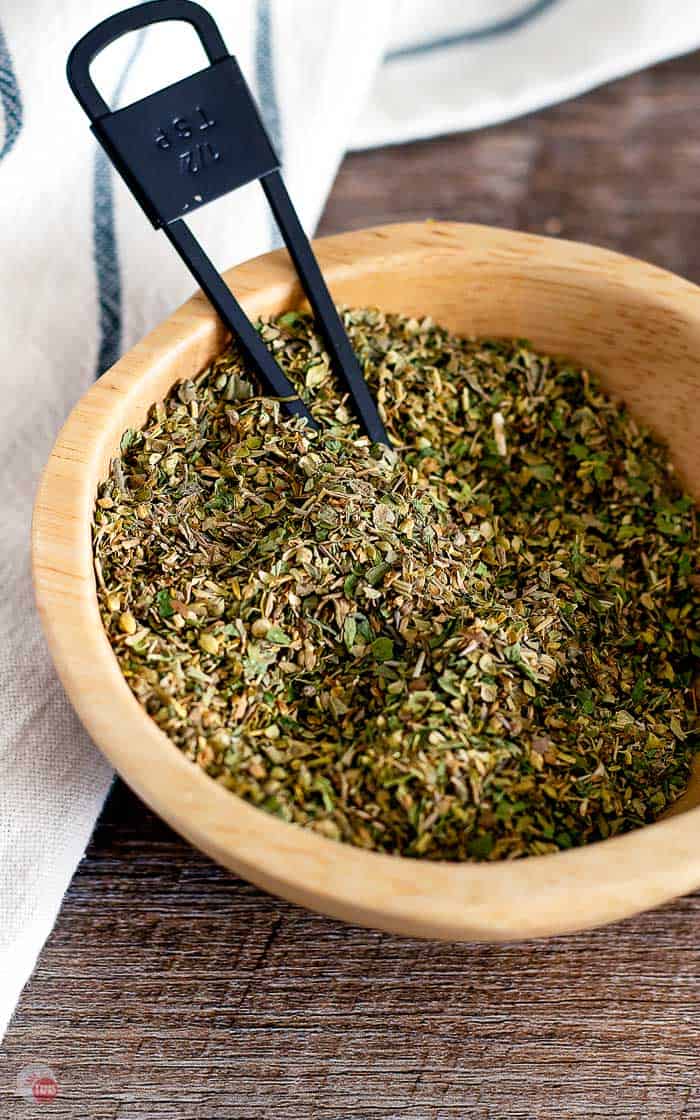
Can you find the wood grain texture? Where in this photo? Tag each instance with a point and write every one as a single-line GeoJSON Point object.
{"type": "Point", "coordinates": [169, 988]}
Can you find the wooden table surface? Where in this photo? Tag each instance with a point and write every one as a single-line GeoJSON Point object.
{"type": "Point", "coordinates": [171, 989]}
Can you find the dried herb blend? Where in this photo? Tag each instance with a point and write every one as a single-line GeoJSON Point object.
{"type": "Point", "coordinates": [482, 646]}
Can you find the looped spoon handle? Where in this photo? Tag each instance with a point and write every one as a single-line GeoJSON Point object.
{"type": "Point", "coordinates": [197, 140]}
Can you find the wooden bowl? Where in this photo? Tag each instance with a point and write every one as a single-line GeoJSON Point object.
{"type": "Point", "coordinates": [637, 326]}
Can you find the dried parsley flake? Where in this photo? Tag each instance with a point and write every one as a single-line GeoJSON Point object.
{"type": "Point", "coordinates": [482, 646]}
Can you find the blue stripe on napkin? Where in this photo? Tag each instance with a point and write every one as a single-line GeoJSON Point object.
{"type": "Point", "coordinates": [109, 286]}
{"type": "Point", "coordinates": [10, 98]}
{"type": "Point", "coordinates": [477, 34]}
{"type": "Point", "coordinates": [265, 75]}
{"type": "Point", "coordinates": [267, 92]}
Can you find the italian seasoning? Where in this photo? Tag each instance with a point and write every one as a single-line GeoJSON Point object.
{"type": "Point", "coordinates": [480, 645]}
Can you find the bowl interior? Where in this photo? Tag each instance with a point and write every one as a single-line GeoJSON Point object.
{"type": "Point", "coordinates": [636, 326]}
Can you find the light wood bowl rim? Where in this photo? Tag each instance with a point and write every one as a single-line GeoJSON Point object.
{"type": "Point", "coordinates": [532, 897]}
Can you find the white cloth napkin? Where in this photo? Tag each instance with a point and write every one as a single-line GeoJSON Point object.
{"type": "Point", "coordinates": [83, 276]}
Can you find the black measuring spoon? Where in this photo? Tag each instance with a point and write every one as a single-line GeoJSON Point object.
{"type": "Point", "coordinates": [192, 142]}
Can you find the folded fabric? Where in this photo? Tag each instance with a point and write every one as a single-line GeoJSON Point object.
{"type": "Point", "coordinates": [83, 276]}
{"type": "Point", "coordinates": [462, 64]}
